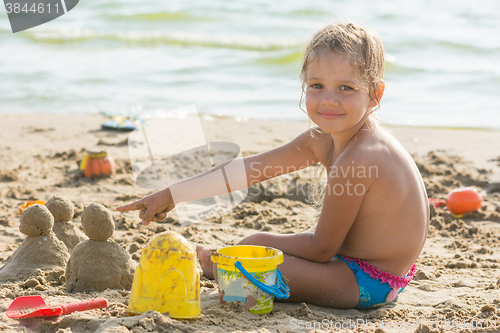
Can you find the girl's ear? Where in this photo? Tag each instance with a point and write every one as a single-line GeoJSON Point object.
{"type": "Point", "coordinates": [376, 95]}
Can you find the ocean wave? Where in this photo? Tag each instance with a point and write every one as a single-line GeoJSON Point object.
{"type": "Point", "coordinates": [288, 58]}
{"type": "Point", "coordinates": [466, 47]}
{"type": "Point", "coordinates": [392, 67]}
{"type": "Point", "coordinates": [159, 16]}
{"type": "Point", "coordinates": [448, 45]}
{"type": "Point", "coordinates": [256, 43]}
{"type": "Point", "coordinates": [310, 12]}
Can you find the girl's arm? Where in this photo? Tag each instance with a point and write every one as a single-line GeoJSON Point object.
{"type": "Point", "coordinates": [295, 155]}
{"type": "Point", "coordinates": [344, 194]}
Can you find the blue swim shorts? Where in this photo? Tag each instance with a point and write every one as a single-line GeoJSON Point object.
{"type": "Point", "coordinates": [376, 287]}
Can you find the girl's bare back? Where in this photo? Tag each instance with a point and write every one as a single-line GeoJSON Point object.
{"type": "Point", "coordinates": [391, 223]}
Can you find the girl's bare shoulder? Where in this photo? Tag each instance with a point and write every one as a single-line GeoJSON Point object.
{"type": "Point", "coordinates": [316, 140]}
{"type": "Point", "coordinates": [376, 146]}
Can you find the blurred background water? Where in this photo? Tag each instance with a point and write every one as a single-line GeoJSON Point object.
{"type": "Point", "coordinates": [242, 58]}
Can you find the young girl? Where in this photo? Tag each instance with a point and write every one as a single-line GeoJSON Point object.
{"type": "Point", "coordinates": [374, 216]}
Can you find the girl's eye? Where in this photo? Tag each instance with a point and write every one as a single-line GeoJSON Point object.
{"type": "Point", "coordinates": [316, 86]}
{"type": "Point", "coordinates": [346, 88]}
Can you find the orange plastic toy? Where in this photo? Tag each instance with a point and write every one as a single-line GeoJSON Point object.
{"type": "Point", "coordinates": [97, 164]}
{"type": "Point", "coordinates": [29, 203]}
{"type": "Point", "coordinates": [464, 200]}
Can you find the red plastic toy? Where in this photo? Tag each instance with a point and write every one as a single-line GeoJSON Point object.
{"type": "Point", "coordinates": [464, 200]}
{"type": "Point", "coordinates": [34, 306]}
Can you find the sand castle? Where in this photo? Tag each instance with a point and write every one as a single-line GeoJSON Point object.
{"type": "Point", "coordinates": [41, 250]}
{"type": "Point", "coordinates": [63, 210]}
{"type": "Point", "coordinates": [98, 263]}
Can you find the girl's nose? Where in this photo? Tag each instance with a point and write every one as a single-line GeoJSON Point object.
{"type": "Point", "coordinates": [330, 98]}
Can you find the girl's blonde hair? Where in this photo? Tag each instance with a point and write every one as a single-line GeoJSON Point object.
{"type": "Point", "coordinates": [363, 48]}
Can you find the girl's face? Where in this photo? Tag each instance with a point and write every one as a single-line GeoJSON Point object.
{"type": "Point", "coordinates": [336, 99]}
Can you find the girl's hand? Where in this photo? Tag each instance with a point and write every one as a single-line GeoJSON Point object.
{"type": "Point", "coordinates": [153, 207]}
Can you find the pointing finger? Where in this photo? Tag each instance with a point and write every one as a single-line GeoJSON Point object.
{"type": "Point", "coordinates": [136, 205]}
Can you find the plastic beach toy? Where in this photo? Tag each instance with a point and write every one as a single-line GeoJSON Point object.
{"type": "Point", "coordinates": [167, 279]}
{"type": "Point", "coordinates": [464, 200]}
{"type": "Point", "coordinates": [250, 275]}
{"type": "Point", "coordinates": [30, 203]}
{"type": "Point", "coordinates": [437, 202]}
{"type": "Point", "coordinates": [97, 164]}
{"type": "Point", "coordinates": [121, 123]}
{"type": "Point", "coordinates": [34, 306]}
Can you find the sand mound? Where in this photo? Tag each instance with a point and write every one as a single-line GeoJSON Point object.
{"type": "Point", "coordinates": [36, 220]}
{"type": "Point", "coordinates": [99, 263]}
{"type": "Point", "coordinates": [69, 233]}
{"type": "Point", "coordinates": [97, 266]}
{"type": "Point", "coordinates": [41, 250]}
{"type": "Point", "coordinates": [97, 222]}
{"type": "Point", "coordinates": [61, 208]}
{"type": "Point", "coordinates": [44, 252]}
{"type": "Point", "coordinates": [63, 211]}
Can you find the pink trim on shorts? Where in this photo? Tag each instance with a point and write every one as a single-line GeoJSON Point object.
{"type": "Point", "coordinates": [393, 280]}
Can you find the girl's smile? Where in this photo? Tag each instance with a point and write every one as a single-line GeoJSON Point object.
{"type": "Point", "coordinates": [327, 115]}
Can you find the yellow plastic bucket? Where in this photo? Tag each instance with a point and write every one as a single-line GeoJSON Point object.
{"type": "Point", "coordinates": [249, 275]}
{"type": "Point", "coordinates": [167, 279]}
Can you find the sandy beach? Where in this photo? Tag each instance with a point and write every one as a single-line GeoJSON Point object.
{"type": "Point", "coordinates": [456, 288]}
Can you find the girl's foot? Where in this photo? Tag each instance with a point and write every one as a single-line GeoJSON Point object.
{"type": "Point", "coordinates": [206, 263]}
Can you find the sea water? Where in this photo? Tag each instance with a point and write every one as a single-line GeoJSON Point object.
{"type": "Point", "coordinates": [242, 58]}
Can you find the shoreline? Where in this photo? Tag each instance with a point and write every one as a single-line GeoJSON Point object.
{"type": "Point", "coordinates": [245, 119]}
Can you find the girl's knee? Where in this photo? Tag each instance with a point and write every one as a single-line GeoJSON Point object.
{"type": "Point", "coordinates": [253, 239]}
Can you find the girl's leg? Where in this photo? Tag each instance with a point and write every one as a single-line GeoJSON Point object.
{"type": "Point", "coordinates": [326, 284]}
{"type": "Point", "coordinates": [204, 255]}
{"type": "Point", "coordinates": [330, 284]}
